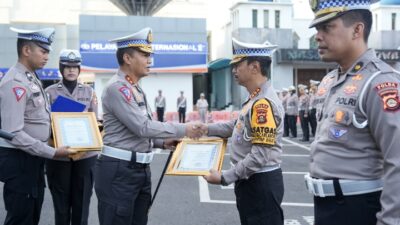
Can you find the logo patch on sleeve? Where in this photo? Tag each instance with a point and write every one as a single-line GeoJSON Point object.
{"type": "Point", "coordinates": [391, 100]}
{"type": "Point", "coordinates": [126, 92]}
{"type": "Point", "coordinates": [263, 124]}
{"type": "Point", "coordinates": [19, 92]}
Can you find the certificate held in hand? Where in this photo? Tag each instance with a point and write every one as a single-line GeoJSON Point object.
{"type": "Point", "coordinates": [63, 104]}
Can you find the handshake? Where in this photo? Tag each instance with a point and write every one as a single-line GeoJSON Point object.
{"type": "Point", "coordinates": [196, 130]}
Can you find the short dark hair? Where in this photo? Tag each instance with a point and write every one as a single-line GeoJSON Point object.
{"type": "Point", "coordinates": [21, 43]}
{"type": "Point", "coordinates": [121, 52]}
{"type": "Point", "coordinates": [359, 15]}
{"type": "Point", "coordinates": [265, 63]}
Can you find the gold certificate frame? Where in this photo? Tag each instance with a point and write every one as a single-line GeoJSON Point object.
{"type": "Point", "coordinates": [78, 130]}
{"type": "Point", "coordinates": [197, 157]}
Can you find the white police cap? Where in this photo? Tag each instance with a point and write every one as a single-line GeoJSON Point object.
{"type": "Point", "coordinates": [70, 57]}
{"type": "Point", "coordinates": [314, 82]}
{"type": "Point", "coordinates": [141, 40]}
{"type": "Point", "coordinates": [325, 10]}
{"type": "Point", "coordinates": [43, 37]}
{"type": "Point", "coordinates": [285, 90]}
{"type": "Point", "coordinates": [302, 86]}
{"type": "Point", "coordinates": [291, 88]}
{"type": "Point", "coordinates": [242, 50]}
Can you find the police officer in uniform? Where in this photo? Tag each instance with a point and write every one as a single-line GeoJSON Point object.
{"type": "Point", "coordinates": [256, 139]}
{"type": "Point", "coordinates": [355, 166]}
{"type": "Point", "coordinates": [160, 106]}
{"type": "Point", "coordinates": [25, 113]}
{"type": "Point", "coordinates": [71, 179]}
{"type": "Point", "coordinates": [292, 110]}
{"type": "Point", "coordinates": [122, 177]}
{"type": "Point", "coordinates": [304, 102]}
{"type": "Point", "coordinates": [313, 103]}
{"type": "Point", "coordinates": [284, 99]}
{"type": "Point", "coordinates": [181, 105]}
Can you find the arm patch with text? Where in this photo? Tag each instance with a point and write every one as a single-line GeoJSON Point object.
{"type": "Point", "coordinates": [263, 123]}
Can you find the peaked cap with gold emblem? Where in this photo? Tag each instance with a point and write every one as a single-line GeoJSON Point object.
{"type": "Point", "coordinates": [70, 57]}
{"type": "Point", "coordinates": [242, 50]}
{"type": "Point", "coordinates": [141, 40]}
{"type": "Point", "coordinates": [42, 37]}
{"type": "Point", "coordinates": [325, 10]}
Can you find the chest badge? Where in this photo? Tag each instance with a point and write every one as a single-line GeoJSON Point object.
{"type": "Point", "coordinates": [357, 77]}
{"type": "Point", "coordinates": [357, 67]}
{"type": "Point", "coordinates": [321, 91]}
{"type": "Point", "coordinates": [350, 89]}
{"type": "Point", "coordinates": [337, 133]}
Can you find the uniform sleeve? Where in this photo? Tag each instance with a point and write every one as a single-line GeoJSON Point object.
{"type": "Point", "coordinates": [223, 130]}
{"type": "Point", "coordinates": [120, 101]}
{"type": "Point", "coordinates": [94, 104]}
{"type": "Point", "coordinates": [264, 121]}
{"type": "Point", "coordinates": [383, 114]}
{"type": "Point", "coordinates": [13, 102]}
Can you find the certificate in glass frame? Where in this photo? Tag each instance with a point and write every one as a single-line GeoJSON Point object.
{"type": "Point", "coordinates": [79, 130]}
{"type": "Point", "coordinates": [197, 157]}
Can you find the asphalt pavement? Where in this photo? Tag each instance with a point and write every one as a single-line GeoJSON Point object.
{"type": "Point", "coordinates": [186, 200]}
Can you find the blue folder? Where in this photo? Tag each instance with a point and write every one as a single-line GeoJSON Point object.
{"type": "Point", "coordinates": [63, 104]}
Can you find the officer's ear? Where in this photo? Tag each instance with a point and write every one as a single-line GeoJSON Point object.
{"type": "Point", "coordinates": [254, 67]}
{"type": "Point", "coordinates": [358, 30]}
{"type": "Point", "coordinates": [26, 49]}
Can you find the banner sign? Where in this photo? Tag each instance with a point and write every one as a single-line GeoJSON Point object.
{"type": "Point", "coordinates": [168, 57]}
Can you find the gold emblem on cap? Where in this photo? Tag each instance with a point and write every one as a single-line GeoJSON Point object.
{"type": "Point", "coordinates": [314, 5]}
{"type": "Point", "coordinates": [150, 37]}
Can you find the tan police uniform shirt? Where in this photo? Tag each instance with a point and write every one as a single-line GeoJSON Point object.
{"type": "Point", "coordinates": [25, 111]}
{"type": "Point", "coordinates": [284, 102]}
{"type": "Point", "coordinates": [256, 135]}
{"type": "Point", "coordinates": [128, 120]}
{"type": "Point", "coordinates": [313, 101]}
{"type": "Point", "coordinates": [82, 93]}
{"type": "Point", "coordinates": [343, 151]}
{"type": "Point", "coordinates": [292, 105]}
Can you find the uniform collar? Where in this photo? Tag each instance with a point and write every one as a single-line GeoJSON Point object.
{"type": "Point", "coordinates": [361, 62]}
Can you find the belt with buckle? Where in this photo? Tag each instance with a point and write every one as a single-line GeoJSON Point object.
{"type": "Point", "coordinates": [269, 168]}
{"type": "Point", "coordinates": [126, 155]}
{"type": "Point", "coordinates": [324, 188]}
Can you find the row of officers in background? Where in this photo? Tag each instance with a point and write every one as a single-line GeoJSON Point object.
{"type": "Point", "coordinates": [301, 105]}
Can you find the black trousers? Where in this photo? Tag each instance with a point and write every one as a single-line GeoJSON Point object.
{"type": "Point", "coordinates": [304, 125]}
{"type": "Point", "coordinates": [123, 190]}
{"type": "Point", "coordinates": [286, 126]}
{"type": "Point", "coordinates": [313, 120]}
{"type": "Point", "coordinates": [348, 210]}
{"type": "Point", "coordinates": [182, 114]}
{"type": "Point", "coordinates": [160, 114]}
{"type": "Point", "coordinates": [71, 186]}
{"type": "Point", "coordinates": [23, 190]}
{"type": "Point", "coordinates": [292, 120]}
{"type": "Point", "coordinates": [259, 199]}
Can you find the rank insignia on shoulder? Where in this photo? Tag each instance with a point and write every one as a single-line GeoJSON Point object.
{"type": "Point", "coordinates": [263, 124]}
{"type": "Point", "coordinates": [19, 92]}
{"type": "Point", "coordinates": [357, 67]}
{"type": "Point", "coordinates": [321, 91]}
{"type": "Point", "coordinates": [126, 92]}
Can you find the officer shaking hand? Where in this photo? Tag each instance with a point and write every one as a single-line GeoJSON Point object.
{"type": "Point", "coordinates": [25, 113]}
{"type": "Point", "coordinates": [122, 177]}
{"type": "Point", "coordinates": [256, 139]}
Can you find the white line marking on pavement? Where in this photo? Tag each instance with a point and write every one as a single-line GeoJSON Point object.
{"type": "Point", "coordinates": [205, 196]}
{"type": "Point", "coordinates": [297, 144]}
{"type": "Point", "coordinates": [295, 173]}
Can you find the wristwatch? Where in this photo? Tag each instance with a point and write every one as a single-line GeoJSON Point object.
{"type": "Point", "coordinates": [223, 182]}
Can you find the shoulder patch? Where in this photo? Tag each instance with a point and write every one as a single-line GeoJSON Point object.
{"type": "Point", "coordinates": [19, 92]}
{"type": "Point", "coordinates": [263, 124]}
{"type": "Point", "coordinates": [389, 95]}
{"type": "Point", "coordinates": [126, 92]}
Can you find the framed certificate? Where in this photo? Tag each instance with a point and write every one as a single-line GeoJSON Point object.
{"type": "Point", "coordinates": [197, 157]}
{"type": "Point", "coordinates": [79, 130]}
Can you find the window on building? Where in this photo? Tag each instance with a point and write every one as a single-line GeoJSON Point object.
{"type": "Point", "coordinates": [277, 18]}
{"type": "Point", "coordinates": [266, 19]}
{"type": "Point", "coordinates": [393, 21]}
{"type": "Point", "coordinates": [255, 14]}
